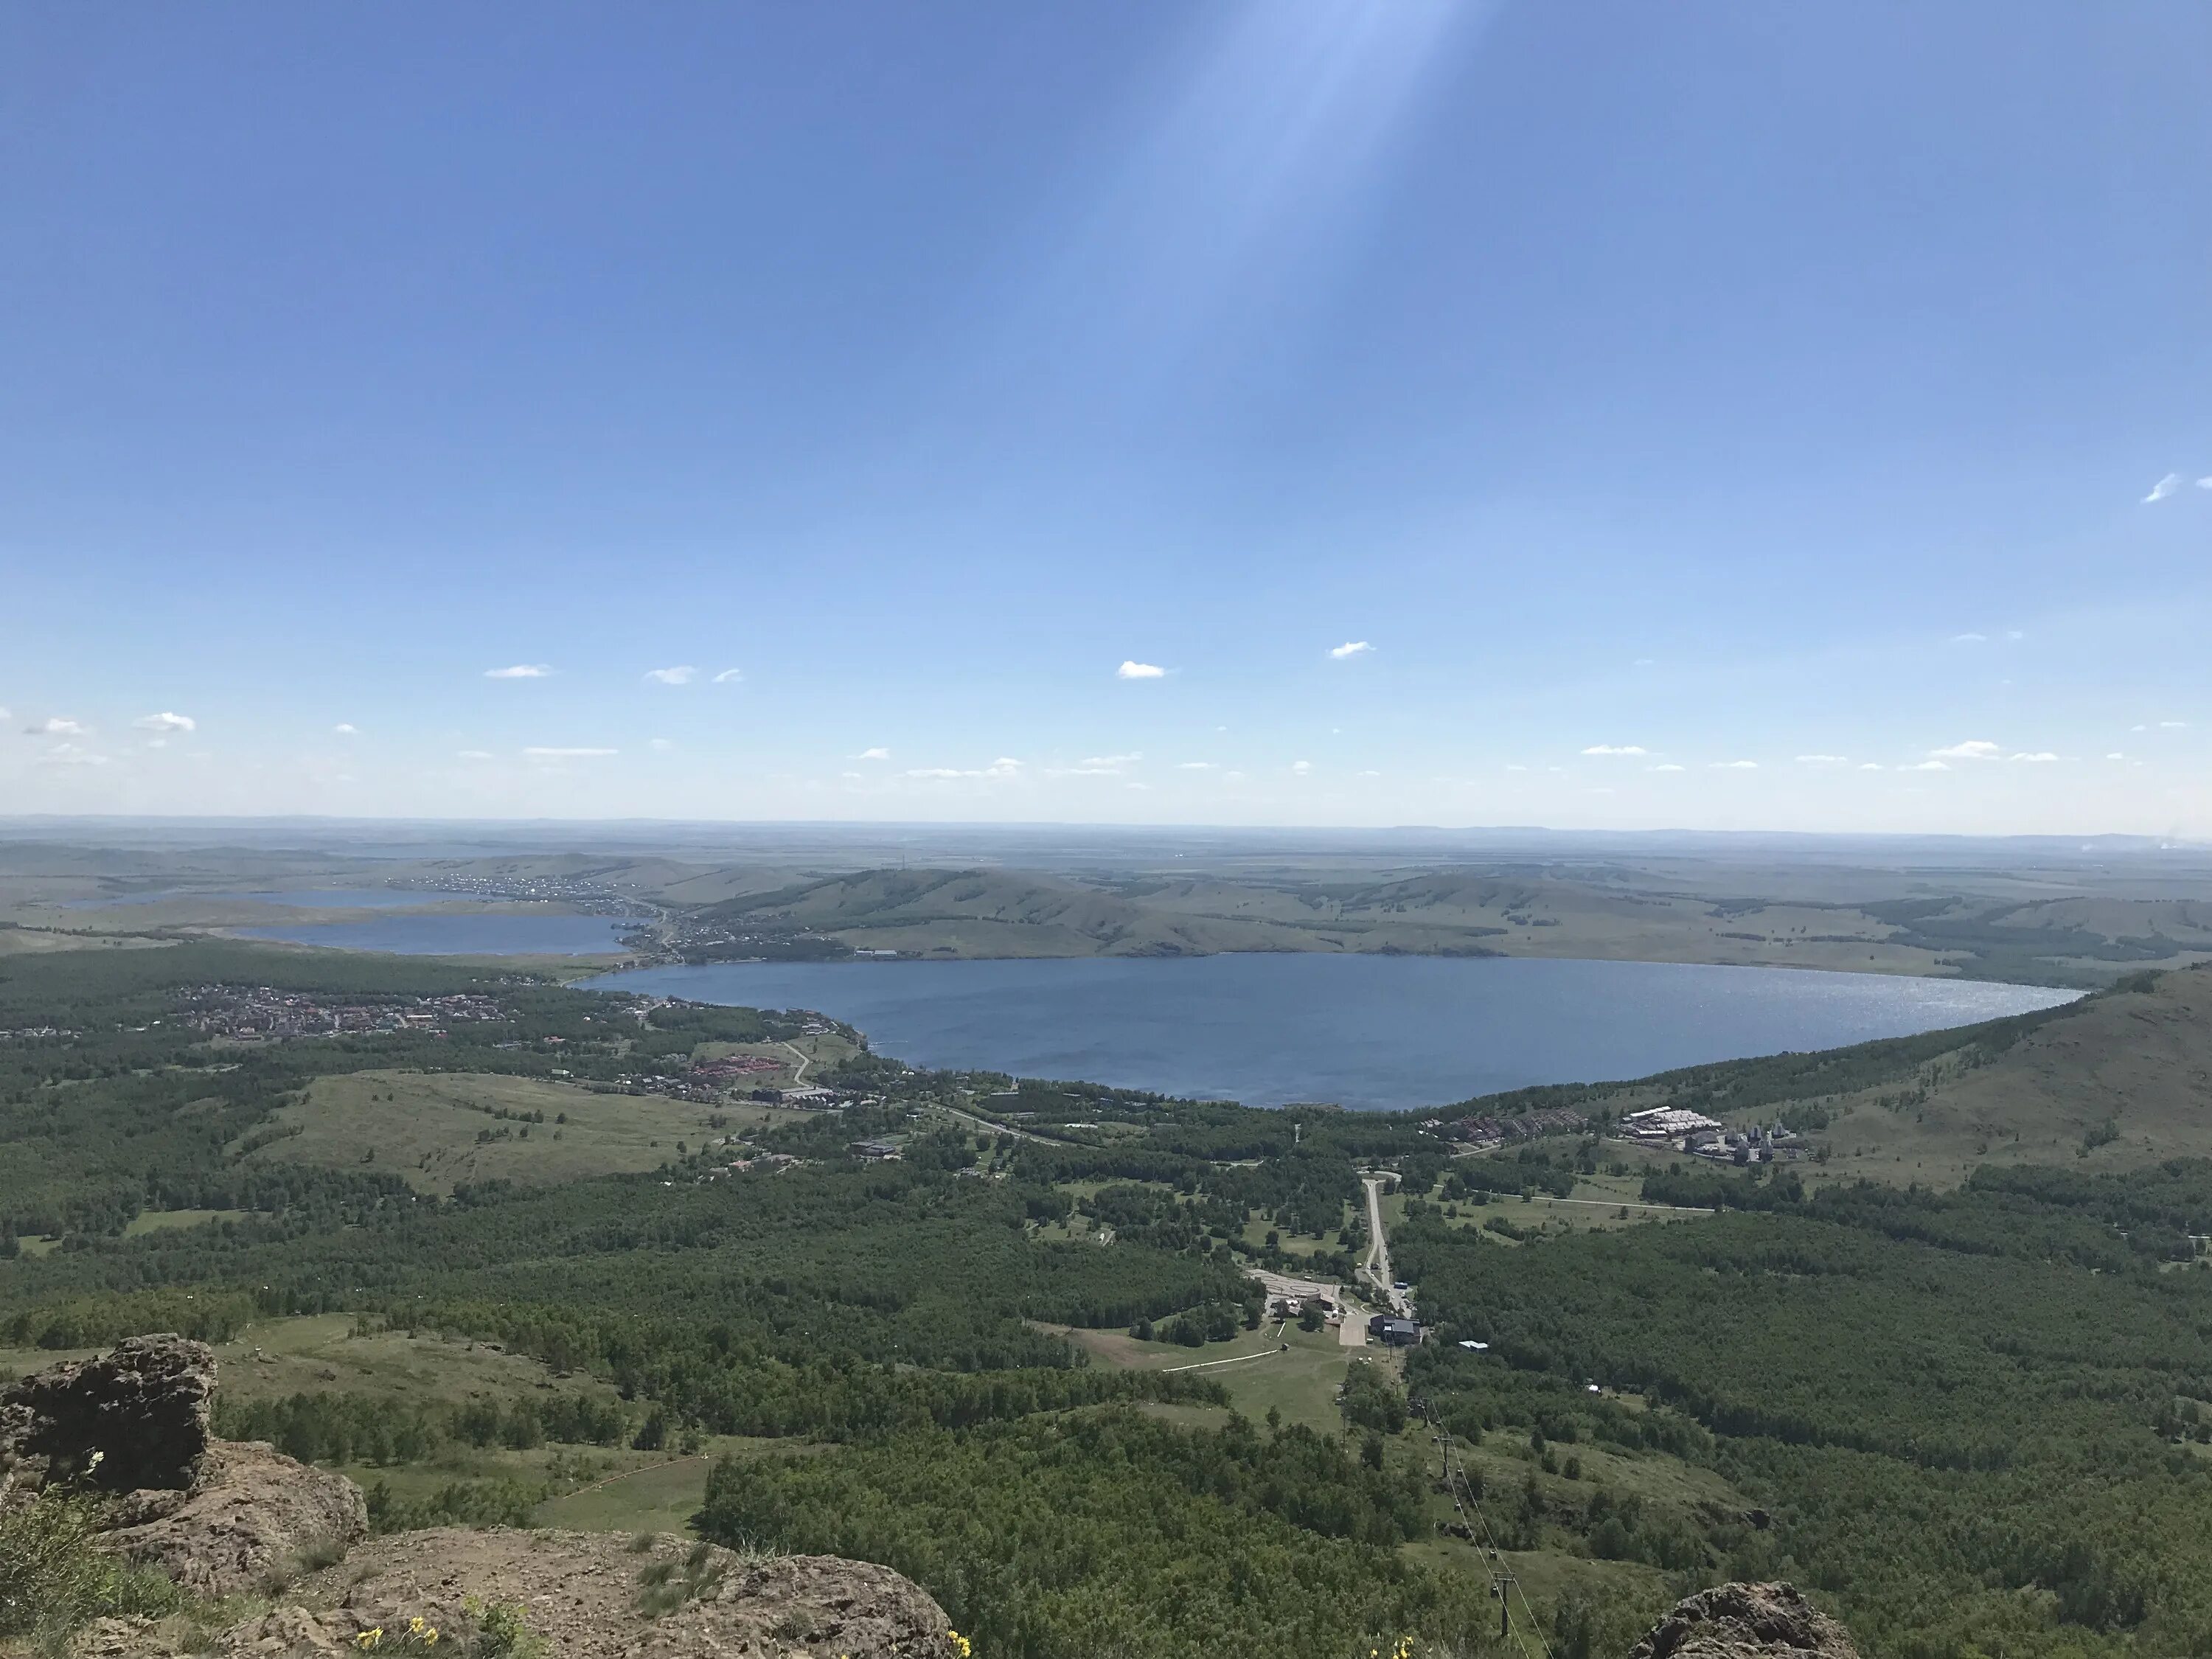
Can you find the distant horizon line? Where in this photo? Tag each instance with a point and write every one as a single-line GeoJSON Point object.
{"type": "Point", "coordinates": [274, 820]}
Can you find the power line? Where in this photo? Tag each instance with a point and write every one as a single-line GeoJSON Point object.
{"type": "Point", "coordinates": [1503, 1585]}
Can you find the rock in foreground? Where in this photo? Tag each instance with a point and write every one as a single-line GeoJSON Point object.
{"type": "Point", "coordinates": [594, 1596]}
{"type": "Point", "coordinates": [218, 1516]}
{"type": "Point", "coordinates": [135, 1417]}
{"type": "Point", "coordinates": [1746, 1621]}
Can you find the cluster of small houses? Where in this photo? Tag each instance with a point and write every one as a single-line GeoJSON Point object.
{"type": "Point", "coordinates": [1707, 1138]}
{"type": "Point", "coordinates": [1482, 1133]}
{"type": "Point", "coordinates": [35, 1033]}
{"type": "Point", "coordinates": [266, 1014]}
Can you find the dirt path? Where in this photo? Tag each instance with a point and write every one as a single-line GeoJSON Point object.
{"type": "Point", "coordinates": [805, 1060]}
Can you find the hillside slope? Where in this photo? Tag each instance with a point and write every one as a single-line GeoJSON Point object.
{"type": "Point", "coordinates": [2118, 1081]}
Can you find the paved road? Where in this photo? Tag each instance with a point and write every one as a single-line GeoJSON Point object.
{"type": "Point", "coordinates": [1376, 1267]}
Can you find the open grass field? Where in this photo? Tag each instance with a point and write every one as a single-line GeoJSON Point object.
{"type": "Point", "coordinates": [316, 1352]}
{"type": "Point", "coordinates": [1301, 1382]}
{"type": "Point", "coordinates": [440, 1129]}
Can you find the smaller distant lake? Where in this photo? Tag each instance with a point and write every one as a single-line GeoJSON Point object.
{"type": "Point", "coordinates": [330, 898]}
{"type": "Point", "coordinates": [1362, 1030]}
{"type": "Point", "coordinates": [459, 936]}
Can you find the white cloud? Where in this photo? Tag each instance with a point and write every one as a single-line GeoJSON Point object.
{"type": "Point", "coordinates": [2138, 728]}
{"type": "Point", "coordinates": [2039, 758]}
{"type": "Point", "coordinates": [1616, 749]}
{"type": "Point", "coordinates": [1301, 768]}
{"type": "Point", "coordinates": [1667, 765]}
{"type": "Point", "coordinates": [2016, 634]}
{"type": "Point", "coordinates": [2204, 483]}
{"type": "Point", "coordinates": [1370, 773]}
{"type": "Point", "coordinates": [874, 754]}
{"type": "Point", "coordinates": [1925, 766]}
{"type": "Point", "coordinates": [1194, 766]}
{"type": "Point", "coordinates": [1643, 662]}
{"type": "Point", "coordinates": [165, 722]}
{"type": "Point", "coordinates": [1110, 763]}
{"type": "Point", "coordinates": [345, 729]}
{"type": "Point", "coordinates": [60, 726]}
{"type": "Point", "coordinates": [729, 674]}
{"type": "Point", "coordinates": [1350, 648]}
{"type": "Point", "coordinates": [1824, 760]}
{"type": "Point", "coordinates": [2117, 753]}
{"type": "Point", "coordinates": [540, 752]}
{"type": "Point", "coordinates": [6, 715]}
{"type": "Point", "coordinates": [682, 674]}
{"type": "Point", "coordinates": [2173, 725]}
{"type": "Point", "coordinates": [1736, 766]}
{"type": "Point", "coordinates": [474, 755]}
{"type": "Point", "coordinates": [1870, 766]}
{"type": "Point", "coordinates": [2163, 487]}
{"type": "Point", "coordinates": [660, 745]}
{"type": "Point", "coordinates": [521, 670]}
{"type": "Point", "coordinates": [1976, 749]}
{"type": "Point", "coordinates": [1141, 671]}
{"type": "Point", "coordinates": [1969, 639]}
{"type": "Point", "coordinates": [1514, 766]}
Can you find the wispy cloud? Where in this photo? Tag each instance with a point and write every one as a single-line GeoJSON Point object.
{"type": "Point", "coordinates": [345, 729]}
{"type": "Point", "coordinates": [1974, 748]}
{"type": "Point", "coordinates": [682, 674]}
{"type": "Point", "coordinates": [1299, 769]}
{"type": "Point", "coordinates": [70, 754]}
{"type": "Point", "coordinates": [1870, 766]}
{"type": "Point", "coordinates": [59, 726]}
{"type": "Point", "coordinates": [2173, 725]}
{"type": "Point", "coordinates": [166, 722]}
{"type": "Point", "coordinates": [1195, 766]}
{"type": "Point", "coordinates": [660, 745]}
{"type": "Point", "coordinates": [547, 751]}
{"type": "Point", "coordinates": [474, 755]}
{"type": "Point", "coordinates": [2041, 756]}
{"type": "Point", "coordinates": [1667, 765]}
{"type": "Point", "coordinates": [1111, 762]}
{"type": "Point", "coordinates": [521, 670]}
{"type": "Point", "coordinates": [877, 754]}
{"type": "Point", "coordinates": [728, 675]}
{"type": "Point", "coordinates": [1628, 749]}
{"type": "Point", "coordinates": [1004, 767]}
{"type": "Point", "coordinates": [1824, 760]}
{"type": "Point", "coordinates": [1969, 639]}
{"type": "Point", "coordinates": [1736, 766]}
{"type": "Point", "coordinates": [2163, 487]}
{"type": "Point", "coordinates": [1925, 766]}
{"type": "Point", "coordinates": [1141, 671]}
{"type": "Point", "coordinates": [1350, 648]}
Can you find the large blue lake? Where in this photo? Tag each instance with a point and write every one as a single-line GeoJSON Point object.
{"type": "Point", "coordinates": [1362, 1031]}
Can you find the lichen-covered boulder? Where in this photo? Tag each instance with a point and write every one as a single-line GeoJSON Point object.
{"type": "Point", "coordinates": [1746, 1621]}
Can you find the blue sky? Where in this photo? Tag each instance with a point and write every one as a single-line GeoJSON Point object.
{"type": "Point", "coordinates": [1645, 390]}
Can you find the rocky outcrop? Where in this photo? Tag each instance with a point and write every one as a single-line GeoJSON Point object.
{"type": "Point", "coordinates": [137, 1417]}
{"type": "Point", "coordinates": [585, 1596]}
{"type": "Point", "coordinates": [251, 1514]}
{"type": "Point", "coordinates": [1746, 1621]}
{"type": "Point", "coordinates": [217, 1517]}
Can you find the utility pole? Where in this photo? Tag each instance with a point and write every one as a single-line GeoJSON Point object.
{"type": "Point", "coordinates": [1501, 1586]}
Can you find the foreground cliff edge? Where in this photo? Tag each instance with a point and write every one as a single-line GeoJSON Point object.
{"type": "Point", "coordinates": [244, 1530]}
{"type": "Point", "coordinates": [266, 1555]}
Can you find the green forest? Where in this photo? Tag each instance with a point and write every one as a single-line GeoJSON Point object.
{"type": "Point", "coordinates": [1969, 1420]}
